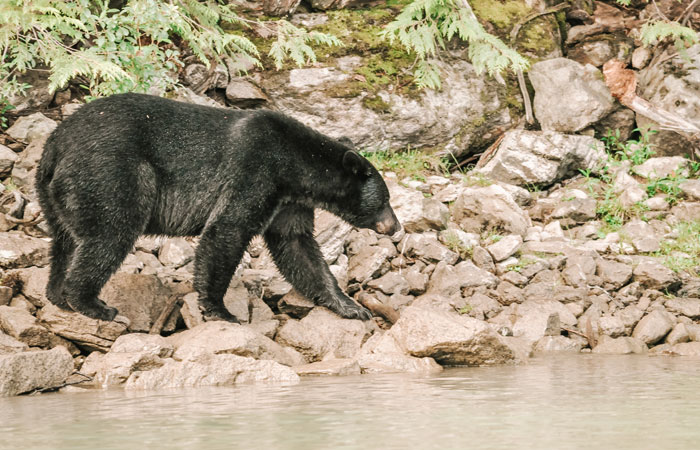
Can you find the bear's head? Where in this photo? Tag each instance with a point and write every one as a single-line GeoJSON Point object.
{"type": "Point", "coordinates": [368, 200]}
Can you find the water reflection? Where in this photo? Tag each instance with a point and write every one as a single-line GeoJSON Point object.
{"type": "Point", "coordinates": [578, 401]}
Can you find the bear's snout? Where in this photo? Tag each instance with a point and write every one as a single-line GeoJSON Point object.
{"type": "Point", "coordinates": [388, 223]}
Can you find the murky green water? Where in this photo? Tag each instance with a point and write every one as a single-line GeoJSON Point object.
{"type": "Point", "coordinates": [578, 401]}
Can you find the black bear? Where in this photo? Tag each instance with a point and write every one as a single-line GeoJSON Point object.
{"type": "Point", "coordinates": [134, 164]}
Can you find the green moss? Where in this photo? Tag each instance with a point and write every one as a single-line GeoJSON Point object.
{"type": "Point", "coordinates": [537, 36]}
{"type": "Point", "coordinates": [502, 14]}
{"type": "Point", "coordinates": [376, 103]}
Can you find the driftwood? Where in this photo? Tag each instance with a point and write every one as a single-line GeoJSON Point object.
{"type": "Point", "coordinates": [175, 301]}
{"type": "Point", "coordinates": [622, 83]}
{"type": "Point", "coordinates": [377, 307]}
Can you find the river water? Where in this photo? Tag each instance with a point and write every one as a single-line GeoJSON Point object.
{"type": "Point", "coordinates": [563, 402]}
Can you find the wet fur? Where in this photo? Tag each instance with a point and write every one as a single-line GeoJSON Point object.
{"type": "Point", "coordinates": [132, 164]}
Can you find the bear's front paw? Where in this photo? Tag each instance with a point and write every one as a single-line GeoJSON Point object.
{"type": "Point", "coordinates": [219, 314]}
{"type": "Point", "coordinates": [95, 310]}
{"type": "Point", "coordinates": [354, 311]}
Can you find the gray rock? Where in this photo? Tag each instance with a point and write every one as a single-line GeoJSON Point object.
{"type": "Point", "coordinates": [673, 86]}
{"type": "Point", "coordinates": [5, 295]}
{"type": "Point", "coordinates": [482, 306]}
{"type": "Point", "coordinates": [20, 250]}
{"type": "Point", "coordinates": [330, 232]}
{"type": "Point", "coordinates": [612, 326]}
{"type": "Point", "coordinates": [662, 167]}
{"type": "Point", "coordinates": [322, 334]}
{"type": "Point", "coordinates": [329, 367]}
{"type": "Point", "coordinates": [679, 334]}
{"type": "Point", "coordinates": [641, 57]}
{"type": "Point", "coordinates": [464, 115]}
{"type": "Point", "coordinates": [8, 344]}
{"type": "Point", "coordinates": [34, 281]}
{"type": "Point", "coordinates": [614, 273]}
{"type": "Point", "coordinates": [140, 298]}
{"type": "Point", "coordinates": [506, 247]}
{"type": "Point", "coordinates": [579, 270]}
{"type": "Point", "coordinates": [115, 368]}
{"type": "Point", "coordinates": [244, 94]}
{"type": "Point", "coordinates": [619, 346]}
{"type": "Point", "coordinates": [7, 160]}
{"type": "Point", "coordinates": [176, 252]}
{"type": "Point", "coordinates": [543, 157]}
{"type": "Point", "coordinates": [630, 316]}
{"type": "Point", "coordinates": [295, 305]}
{"type": "Point", "coordinates": [369, 262]}
{"type": "Point", "coordinates": [426, 247]}
{"type": "Point", "coordinates": [557, 344]}
{"type": "Point", "coordinates": [195, 74]}
{"type": "Point", "coordinates": [653, 327]}
{"type": "Point", "coordinates": [33, 127]}
{"type": "Point", "coordinates": [653, 275]}
{"type": "Point", "coordinates": [246, 307]}
{"type": "Point", "coordinates": [416, 212]}
{"type": "Point", "coordinates": [531, 319]}
{"type": "Point", "coordinates": [483, 259]}
{"type": "Point", "coordinates": [278, 8]}
{"type": "Point", "coordinates": [578, 210]}
{"type": "Point", "coordinates": [85, 332]}
{"type": "Point", "coordinates": [211, 370]}
{"type": "Point", "coordinates": [689, 307]}
{"type": "Point", "coordinates": [691, 189]}
{"type": "Point", "coordinates": [143, 343]}
{"type": "Point", "coordinates": [684, 349]}
{"type": "Point", "coordinates": [382, 354]}
{"type": "Point", "coordinates": [569, 96]}
{"type": "Point", "coordinates": [37, 97]}
{"type": "Point", "coordinates": [224, 337]}
{"type": "Point", "coordinates": [27, 371]}
{"type": "Point", "coordinates": [448, 281]}
{"type": "Point", "coordinates": [21, 325]}
{"type": "Point", "coordinates": [479, 209]}
{"type": "Point", "coordinates": [391, 283]}
{"type": "Point", "coordinates": [449, 338]}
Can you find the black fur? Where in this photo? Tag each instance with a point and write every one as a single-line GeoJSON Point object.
{"type": "Point", "coordinates": [133, 164]}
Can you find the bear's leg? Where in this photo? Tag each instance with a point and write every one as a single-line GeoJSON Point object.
{"type": "Point", "coordinates": [62, 249]}
{"type": "Point", "coordinates": [220, 249]}
{"type": "Point", "coordinates": [95, 260]}
{"type": "Point", "coordinates": [296, 253]}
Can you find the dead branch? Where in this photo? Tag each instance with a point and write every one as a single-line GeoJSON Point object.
{"type": "Point", "coordinates": [175, 301]}
{"type": "Point", "coordinates": [622, 83]}
{"type": "Point", "coordinates": [378, 307]}
{"type": "Point", "coordinates": [529, 116]}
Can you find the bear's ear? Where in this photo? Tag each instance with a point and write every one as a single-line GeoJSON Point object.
{"type": "Point", "coordinates": [347, 141]}
{"type": "Point", "coordinates": [356, 164]}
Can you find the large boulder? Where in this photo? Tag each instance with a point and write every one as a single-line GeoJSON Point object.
{"type": "Point", "coordinates": [415, 212]}
{"type": "Point", "coordinates": [462, 116]}
{"type": "Point", "coordinates": [322, 334]}
{"type": "Point", "coordinates": [449, 338]}
{"type": "Point", "coordinates": [672, 85]}
{"type": "Point", "coordinates": [27, 371]}
{"type": "Point", "coordinates": [568, 95]}
{"type": "Point", "coordinates": [543, 157]}
{"type": "Point", "coordinates": [382, 354]}
{"type": "Point", "coordinates": [478, 209]}
{"type": "Point", "coordinates": [21, 325]}
{"type": "Point", "coordinates": [141, 298]}
{"type": "Point", "coordinates": [211, 370]}
{"type": "Point", "coordinates": [29, 128]}
{"type": "Point", "coordinates": [85, 332]}
{"type": "Point", "coordinates": [220, 337]}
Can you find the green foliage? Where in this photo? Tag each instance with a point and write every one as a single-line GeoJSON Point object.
{"type": "Point", "coordinates": [111, 50]}
{"type": "Point", "coordinates": [655, 31]}
{"type": "Point", "coordinates": [669, 185]}
{"type": "Point", "coordinates": [454, 243]}
{"type": "Point", "coordinates": [424, 27]}
{"type": "Point", "coordinates": [683, 252]}
{"type": "Point", "coordinates": [293, 43]}
{"type": "Point", "coordinates": [410, 163]}
{"type": "Point", "coordinates": [636, 151]}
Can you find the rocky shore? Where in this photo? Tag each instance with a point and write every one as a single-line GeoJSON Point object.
{"type": "Point", "coordinates": [566, 239]}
